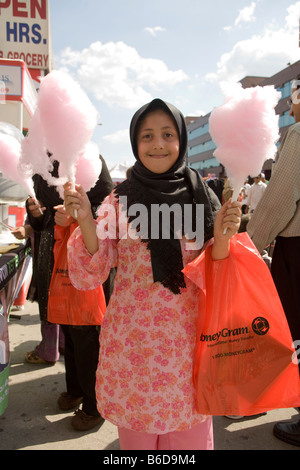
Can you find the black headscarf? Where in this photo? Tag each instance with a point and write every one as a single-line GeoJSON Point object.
{"type": "Point", "coordinates": [179, 185]}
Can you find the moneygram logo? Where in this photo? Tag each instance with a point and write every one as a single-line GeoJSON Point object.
{"type": "Point", "coordinates": [260, 326]}
{"type": "Point", "coordinates": [224, 333]}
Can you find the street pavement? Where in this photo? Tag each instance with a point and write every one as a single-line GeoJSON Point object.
{"type": "Point", "coordinates": [33, 421]}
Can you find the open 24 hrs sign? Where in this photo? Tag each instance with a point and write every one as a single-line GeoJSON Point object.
{"type": "Point", "coordinates": [25, 32]}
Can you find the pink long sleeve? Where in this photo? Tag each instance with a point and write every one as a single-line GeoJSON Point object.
{"type": "Point", "coordinates": [86, 271]}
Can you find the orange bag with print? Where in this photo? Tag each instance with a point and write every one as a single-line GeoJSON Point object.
{"type": "Point", "coordinates": [67, 305]}
{"type": "Point", "coordinates": [245, 362]}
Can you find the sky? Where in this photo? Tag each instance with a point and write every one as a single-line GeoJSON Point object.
{"type": "Point", "coordinates": [126, 53]}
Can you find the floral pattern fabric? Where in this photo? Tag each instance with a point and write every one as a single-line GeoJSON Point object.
{"type": "Point", "coordinates": [144, 376]}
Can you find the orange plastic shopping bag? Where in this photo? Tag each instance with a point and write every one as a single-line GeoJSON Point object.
{"type": "Point", "coordinates": [66, 304]}
{"type": "Point", "coordinates": [245, 362]}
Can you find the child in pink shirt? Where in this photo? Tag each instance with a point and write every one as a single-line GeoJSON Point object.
{"type": "Point", "coordinates": [144, 378]}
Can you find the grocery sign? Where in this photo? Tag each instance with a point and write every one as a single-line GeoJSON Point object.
{"type": "Point", "coordinates": [25, 32]}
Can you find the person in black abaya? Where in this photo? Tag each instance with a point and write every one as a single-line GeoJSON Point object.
{"type": "Point", "coordinates": [74, 337]}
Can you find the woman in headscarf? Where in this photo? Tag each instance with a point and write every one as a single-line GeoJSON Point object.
{"type": "Point", "coordinates": [81, 338]}
{"type": "Point", "coordinates": [144, 376]}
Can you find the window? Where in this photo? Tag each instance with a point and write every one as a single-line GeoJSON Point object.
{"type": "Point", "coordinates": [286, 120]}
{"type": "Point", "coordinates": [199, 131]}
{"type": "Point", "coordinates": [201, 148]}
{"type": "Point", "coordinates": [285, 90]}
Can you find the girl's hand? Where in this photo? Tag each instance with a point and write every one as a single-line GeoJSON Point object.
{"type": "Point", "coordinates": [77, 200]}
{"type": "Point", "coordinates": [228, 220]}
{"type": "Point", "coordinates": [227, 223]}
{"type": "Point", "coordinates": [19, 233]}
{"type": "Point", "coordinates": [22, 232]}
{"type": "Point", "coordinates": [35, 208]}
{"type": "Point", "coordinates": [61, 217]}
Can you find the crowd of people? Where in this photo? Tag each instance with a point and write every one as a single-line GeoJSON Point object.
{"type": "Point", "coordinates": [139, 376]}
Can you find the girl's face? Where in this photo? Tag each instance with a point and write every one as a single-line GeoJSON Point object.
{"type": "Point", "coordinates": [158, 141]}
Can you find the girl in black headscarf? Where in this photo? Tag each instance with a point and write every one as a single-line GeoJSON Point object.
{"type": "Point", "coordinates": [144, 377]}
{"type": "Point", "coordinates": [179, 185]}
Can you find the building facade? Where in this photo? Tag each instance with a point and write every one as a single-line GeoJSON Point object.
{"type": "Point", "coordinates": [200, 144]}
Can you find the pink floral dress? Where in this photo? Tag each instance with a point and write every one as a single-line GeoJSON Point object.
{"type": "Point", "coordinates": [144, 375]}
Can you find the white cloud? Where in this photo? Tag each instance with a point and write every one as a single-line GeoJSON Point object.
{"type": "Point", "coordinates": [118, 137]}
{"type": "Point", "coordinates": [246, 15]}
{"type": "Point", "coordinates": [116, 74]}
{"type": "Point", "coordinates": [262, 54]}
{"type": "Point", "coordinates": [196, 113]}
{"type": "Point", "coordinates": [155, 30]}
{"type": "Point", "coordinates": [199, 112]}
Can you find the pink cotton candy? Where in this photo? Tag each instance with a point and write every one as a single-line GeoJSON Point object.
{"type": "Point", "coordinates": [88, 167]}
{"type": "Point", "coordinates": [245, 129]}
{"type": "Point", "coordinates": [62, 125]}
{"type": "Point", "coordinates": [68, 119]}
{"type": "Point", "coordinates": [10, 151]}
{"type": "Point", "coordinates": [10, 129]}
{"type": "Point", "coordinates": [34, 158]}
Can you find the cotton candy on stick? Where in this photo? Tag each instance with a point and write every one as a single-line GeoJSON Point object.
{"type": "Point", "coordinates": [10, 151]}
{"type": "Point", "coordinates": [245, 131]}
{"type": "Point", "coordinates": [68, 119]}
{"type": "Point", "coordinates": [88, 167]}
{"type": "Point", "coordinates": [34, 158]}
{"type": "Point", "coordinates": [11, 140]}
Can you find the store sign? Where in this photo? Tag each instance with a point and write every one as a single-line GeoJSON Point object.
{"type": "Point", "coordinates": [25, 32]}
{"type": "Point", "coordinates": [16, 84]}
{"type": "Point", "coordinates": [10, 80]}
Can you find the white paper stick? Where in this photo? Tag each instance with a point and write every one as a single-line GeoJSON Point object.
{"type": "Point", "coordinates": [236, 191]}
{"type": "Point", "coordinates": [75, 210]}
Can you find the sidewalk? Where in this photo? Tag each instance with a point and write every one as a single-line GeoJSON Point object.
{"type": "Point", "coordinates": [33, 421]}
